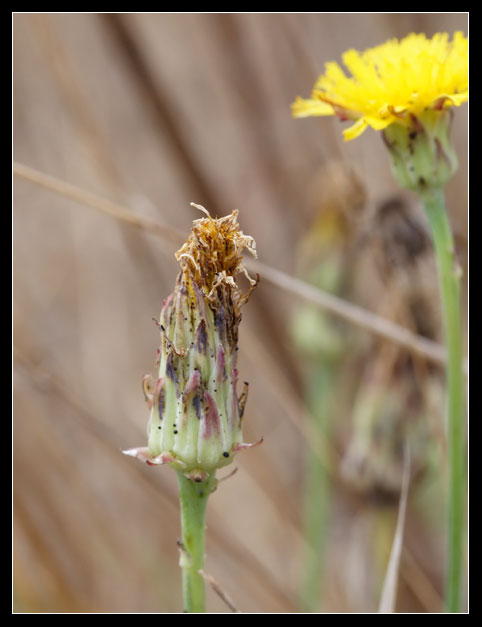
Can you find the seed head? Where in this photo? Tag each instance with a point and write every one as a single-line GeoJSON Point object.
{"type": "Point", "coordinates": [196, 415]}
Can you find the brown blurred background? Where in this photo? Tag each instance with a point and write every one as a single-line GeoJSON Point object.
{"type": "Point", "coordinates": [155, 111]}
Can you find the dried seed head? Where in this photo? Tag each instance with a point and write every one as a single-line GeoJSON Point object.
{"type": "Point", "coordinates": [196, 415]}
{"type": "Point", "coordinates": [212, 257]}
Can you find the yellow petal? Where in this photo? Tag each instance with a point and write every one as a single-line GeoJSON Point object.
{"type": "Point", "coordinates": [302, 108]}
{"type": "Point", "coordinates": [355, 130]}
{"type": "Point", "coordinates": [380, 123]}
{"type": "Point", "coordinates": [457, 99]}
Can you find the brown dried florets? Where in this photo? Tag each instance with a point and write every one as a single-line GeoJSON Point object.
{"type": "Point", "coordinates": [212, 256]}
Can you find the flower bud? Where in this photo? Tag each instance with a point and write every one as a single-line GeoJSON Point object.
{"type": "Point", "coordinates": [196, 415]}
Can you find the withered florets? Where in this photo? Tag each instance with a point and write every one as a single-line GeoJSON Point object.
{"type": "Point", "coordinates": [196, 415]}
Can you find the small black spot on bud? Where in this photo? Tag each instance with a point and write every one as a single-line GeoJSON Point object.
{"type": "Point", "coordinates": [226, 454]}
{"type": "Point", "coordinates": [175, 431]}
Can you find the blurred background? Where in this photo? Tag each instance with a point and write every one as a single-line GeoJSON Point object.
{"type": "Point", "coordinates": [155, 111]}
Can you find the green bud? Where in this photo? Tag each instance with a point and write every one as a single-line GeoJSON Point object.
{"type": "Point", "coordinates": [421, 152]}
{"type": "Point", "coordinates": [195, 422]}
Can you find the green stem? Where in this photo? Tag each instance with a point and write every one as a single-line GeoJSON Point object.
{"type": "Point", "coordinates": [193, 497]}
{"type": "Point", "coordinates": [449, 277]}
{"type": "Point", "coordinates": [316, 493]}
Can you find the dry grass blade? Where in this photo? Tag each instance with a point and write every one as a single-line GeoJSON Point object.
{"type": "Point", "coordinates": [420, 584]}
{"type": "Point", "coordinates": [389, 591]}
{"type": "Point", "coordinates": [343, 309]}
{"type": "Point", "coordinates": [352, 313]}
{"type": "Point", "coordinates": [96, 202]}
{"type": "Point", "coordinates": [220, 592]}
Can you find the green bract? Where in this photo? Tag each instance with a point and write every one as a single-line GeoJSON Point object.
{"type": "Point", "coordinates": [422, 154]}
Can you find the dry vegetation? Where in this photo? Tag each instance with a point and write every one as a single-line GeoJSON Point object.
{"type": "Point", "coordinates": [153, 112]}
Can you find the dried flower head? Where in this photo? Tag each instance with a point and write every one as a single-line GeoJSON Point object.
{"type": "Point", "coordinates": [212, 257]}
{"type": "Point", "coordinates": [196, 415]}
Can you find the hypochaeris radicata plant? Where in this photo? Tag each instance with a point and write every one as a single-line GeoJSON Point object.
{"type": "Point", "coordinates": [407, 89]}
{"type": "Point", "coordinates": [196, 415]}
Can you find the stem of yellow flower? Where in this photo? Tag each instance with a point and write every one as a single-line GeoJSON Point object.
{"type": "Point", "coordinates": [449, 277]}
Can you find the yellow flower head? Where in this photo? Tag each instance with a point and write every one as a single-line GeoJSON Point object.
{"type": "Point", "coordinates": [391, 83]}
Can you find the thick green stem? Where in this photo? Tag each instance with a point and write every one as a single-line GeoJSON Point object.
{"type": "Point", "coordinates": [449, 277]}
{"type": "Point", "coordinates": [193, 497]}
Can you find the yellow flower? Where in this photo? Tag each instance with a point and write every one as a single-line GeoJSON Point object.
{"type": "Point", "coordinates": [391, 83]}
